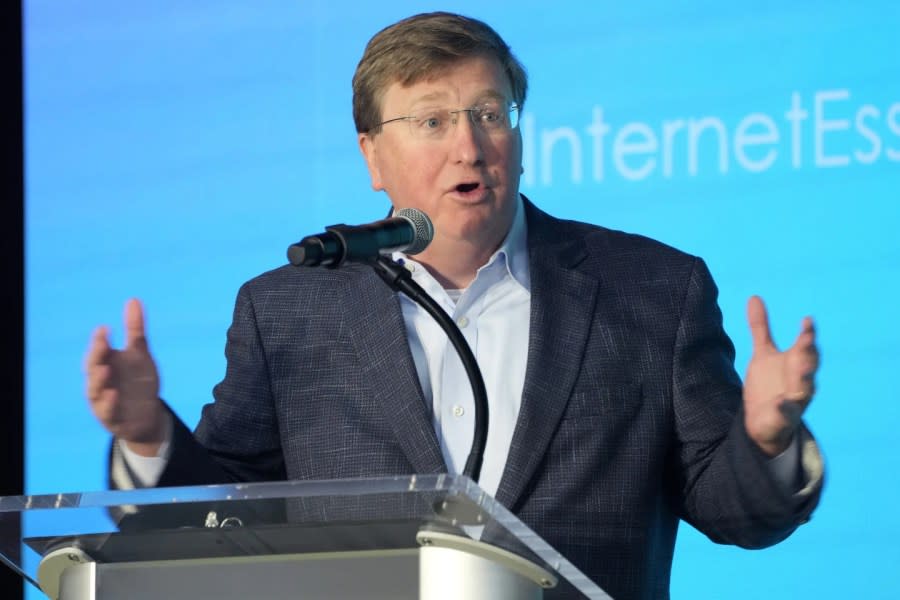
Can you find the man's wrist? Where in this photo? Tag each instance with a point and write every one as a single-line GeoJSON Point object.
{"type": "Point", "coordinates": [770, 445]}
{"type": "Point", "coordinates": [774, 448]}
{"type": "Point", "coordinates": [151, 445]}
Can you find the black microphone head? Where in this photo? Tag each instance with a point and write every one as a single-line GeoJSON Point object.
{"type": "Point", "coordinates": [423, 230]}
{"type": "Point", "coordinates": [296, 254]}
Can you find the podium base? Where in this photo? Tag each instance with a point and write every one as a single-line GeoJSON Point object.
{"type": "Point", "coordinates": [387, 575]}
{"type": "Point", "coordinates": [445, 567]}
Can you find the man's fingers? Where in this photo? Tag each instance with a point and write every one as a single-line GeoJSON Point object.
{"type": "Point", "coordinates": [99, 377]}
{"type": "Point", "coordinates": [106, 407]}
{"type": "Point", "coordinates": [803, 363]}
{"type": "Point", "coordinates": [805, 347]}
{"type": "Point", "coordinates": [808, 325]}
{"type": "Point", "coordinates": [803, 394]}
{"type": "Point", "coordinates": [134, 325]}
{"type": "Point", "coordinates": [759, 324]}
{"type": "Point", "coordinates": [807, 335]}
{"type": "Point", "coordinates": [98, 350]}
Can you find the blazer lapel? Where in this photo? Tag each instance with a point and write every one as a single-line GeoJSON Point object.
{"type": "Point", "coordinates": [562, 308]}
{"type": "Point", "coordinates": [387, 363]}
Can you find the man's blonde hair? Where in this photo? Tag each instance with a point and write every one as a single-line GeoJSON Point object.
{"type": "Point", "coordinates": [419, 48]}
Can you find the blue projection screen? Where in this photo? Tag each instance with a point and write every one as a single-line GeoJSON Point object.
{"type": "Point", "coordinates": [174, 150]}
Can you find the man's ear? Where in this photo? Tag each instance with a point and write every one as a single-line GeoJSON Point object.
{"type": "Point", "coordinates": [369, 152]}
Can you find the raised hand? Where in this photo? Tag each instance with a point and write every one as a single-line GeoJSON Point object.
{"type": "Point", "coordinates": [123, 385]}
{"type": "Point", "coordinates": [779, 385]}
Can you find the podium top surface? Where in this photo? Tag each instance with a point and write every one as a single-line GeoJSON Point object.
{"type": "Point", "coordinates": [250, 519]}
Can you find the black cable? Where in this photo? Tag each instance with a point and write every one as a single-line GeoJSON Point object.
{"type": "Point", "coordinates": [399, 279]}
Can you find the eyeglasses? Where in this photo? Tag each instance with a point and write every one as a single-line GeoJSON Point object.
{"type": "Point", "coordinates": [433, 124]}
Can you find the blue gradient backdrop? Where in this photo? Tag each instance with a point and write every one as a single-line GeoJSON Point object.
{"type": "Point", "coordinates": [174, 150]}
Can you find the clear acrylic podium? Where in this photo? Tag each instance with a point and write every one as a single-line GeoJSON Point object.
{"type": "Point", "coordinates": [428, 537]}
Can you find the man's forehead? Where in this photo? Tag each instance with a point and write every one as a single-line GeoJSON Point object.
{"type": "Point", "coordinates": [446, 95]}
{"type": "Point", "coordinates": [490, 81]}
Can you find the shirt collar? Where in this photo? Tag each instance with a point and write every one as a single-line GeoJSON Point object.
{"type": "Point", "coordinates": [513, 251]}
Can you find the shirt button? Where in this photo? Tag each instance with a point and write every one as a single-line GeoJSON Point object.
{"type": "Point", "coordinates": [462, 321]}
{"type": "Point", "coordinates": [410, 267]}
{"type": "Point", "coordinates": [458, 411]}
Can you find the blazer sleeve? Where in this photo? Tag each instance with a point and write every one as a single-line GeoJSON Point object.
{"type": "Point", "coordinates": [237, 438]}
{"type": "Point", "coordinates": [726, 489]}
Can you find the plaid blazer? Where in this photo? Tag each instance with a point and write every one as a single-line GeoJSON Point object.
{"type": "Point", "coordinates": [630, 417]}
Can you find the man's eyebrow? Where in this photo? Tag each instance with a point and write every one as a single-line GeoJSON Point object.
{"type": "Point", "coordinates": [489, 94]}
{"type": "Point", "coordinates": [430, 97]}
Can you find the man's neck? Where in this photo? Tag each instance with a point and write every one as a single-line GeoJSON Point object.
{"type": "Point", "coordinates": [454, 263]}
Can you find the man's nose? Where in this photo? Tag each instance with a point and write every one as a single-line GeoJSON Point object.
{"type": "Point", "coordinates": [467, 138]}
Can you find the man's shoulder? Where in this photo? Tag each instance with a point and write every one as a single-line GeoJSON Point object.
{"type": "Point", "coordinates": [301, 292]}
{"type": "Point", "coordinates": [291, 279]}
{"type": "Point", "coordinates": [604, 238]}
{"type": "Point", "coordinates": [604, 244]}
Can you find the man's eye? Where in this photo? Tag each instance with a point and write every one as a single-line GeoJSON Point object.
{"type": "Point", "coordinates": [431, 122]}
{"type": "Point", "coordinates": [490, 116]}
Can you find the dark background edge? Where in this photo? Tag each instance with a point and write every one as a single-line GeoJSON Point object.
{"type": "Point", "coordinates": [12, 425]}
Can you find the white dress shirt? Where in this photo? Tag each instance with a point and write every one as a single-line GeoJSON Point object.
{"type": "Point", "coordinates": [493, 314]}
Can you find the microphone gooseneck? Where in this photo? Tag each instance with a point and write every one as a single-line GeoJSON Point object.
{"type": "Point", "coordinates": [399, 279]}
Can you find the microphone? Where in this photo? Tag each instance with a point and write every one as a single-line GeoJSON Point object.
{"type": "Point", "coordinates": [409, 230]}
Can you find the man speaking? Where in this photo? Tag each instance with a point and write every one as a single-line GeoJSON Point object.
{"type": "Point", "coordinates": [615, 408]}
